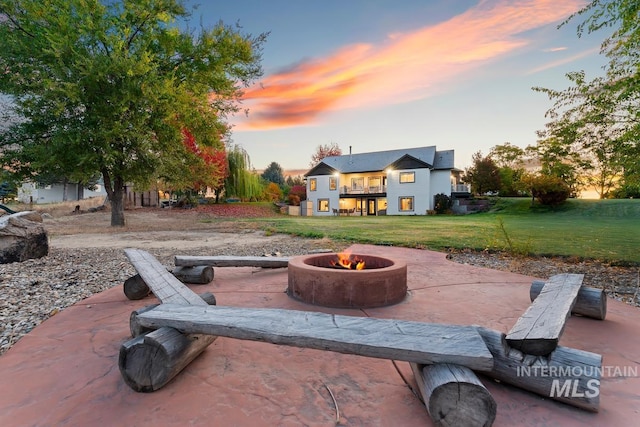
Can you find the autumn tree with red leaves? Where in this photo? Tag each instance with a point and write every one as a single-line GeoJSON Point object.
{"type": "Point", "coordinates": [326, 150]}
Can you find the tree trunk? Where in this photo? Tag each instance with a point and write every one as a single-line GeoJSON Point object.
{"type": "Point", "coordinates": [115, 192]}
{"type": "Point", "coordinates": [65, 189]}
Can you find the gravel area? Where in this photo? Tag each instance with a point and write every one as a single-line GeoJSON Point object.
{"type": "Point", "coordinates": [36, 289]}
{"type": "Point", "coordinates": [80, 265]}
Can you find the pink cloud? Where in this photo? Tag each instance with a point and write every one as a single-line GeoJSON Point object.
{"type": "Point", "coordinates": [407, 66]}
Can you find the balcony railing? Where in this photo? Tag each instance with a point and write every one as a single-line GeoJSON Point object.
{"type": "Point", "coordinates": [461, 188]}
{"type": "Point", "coordinates": [364, 190]}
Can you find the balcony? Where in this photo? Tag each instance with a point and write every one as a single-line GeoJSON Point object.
{"type": "Point", "coordinates": [460, 188]}
{"type": "Point", "coordinates": [377, 190]}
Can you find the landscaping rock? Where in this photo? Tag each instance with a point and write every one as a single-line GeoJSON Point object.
{"type": "Point", "coordinates": [22, 237]}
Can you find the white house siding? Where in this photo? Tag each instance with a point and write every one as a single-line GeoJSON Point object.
{"type": "Point", "coordinates": [419, 190]}
{"type": "Point", "coordinates": [33, 193]}
{"type": "Point", "coordinates": [322, 192]}
{"type": "Point", "coordinates": [440, 183]}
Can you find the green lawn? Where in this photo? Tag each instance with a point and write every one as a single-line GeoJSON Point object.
{"type": "Point", "coordinates": [596, 229]}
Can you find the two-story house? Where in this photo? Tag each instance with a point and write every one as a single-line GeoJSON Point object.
{"type": "Point", "coordinates": [394, 182]}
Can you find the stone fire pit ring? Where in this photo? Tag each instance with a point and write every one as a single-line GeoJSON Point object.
{"type": "Point", "coordinates": [313, 280]}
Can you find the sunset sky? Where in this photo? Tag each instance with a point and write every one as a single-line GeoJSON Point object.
{"type": "Point", "coordinates": [376, 75]}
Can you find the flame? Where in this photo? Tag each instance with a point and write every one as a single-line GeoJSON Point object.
{"type": "Point", "coordinates": [345, 261]}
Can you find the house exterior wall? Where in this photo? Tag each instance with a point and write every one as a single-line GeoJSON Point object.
{"type": "Point", "coordinates": [441, 182]}
{"type": "Point", "coordinates": [397, 192]}
{"type": "Point", "coordinates": [31, 192]}
{"type": "Point", "coordinates": [323, 193]}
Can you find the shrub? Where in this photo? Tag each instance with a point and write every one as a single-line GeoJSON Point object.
{"type": "Point", "coordinates": [300, 191]}
{"type": "Point", "coordinates": [549, 190]}
{"type": "Point", "coordinates": [273, 192]}
{"type": "Point", "coordinates": [294, 200]}
{"type": "Point", "coordinates": [442, 203]}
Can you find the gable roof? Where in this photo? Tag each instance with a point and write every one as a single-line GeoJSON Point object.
{"type": "Point", "coordinates": [380, 160]}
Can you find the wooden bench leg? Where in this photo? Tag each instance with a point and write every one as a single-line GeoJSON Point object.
{"type": "Point", "coordinates": [454, 396]}
{"type": "Point", "coordinates": [150, 361]}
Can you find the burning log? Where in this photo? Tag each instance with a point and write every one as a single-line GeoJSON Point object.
{"type": "Point", "coordinates": [346, 261]}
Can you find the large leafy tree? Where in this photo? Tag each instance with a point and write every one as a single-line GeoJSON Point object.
{"type": "Point", "coordinates": [483, 174]}
{"type": "Point", "coordinates": [603, 115]}
{"type": "Point", "coordinates": [109, 87]}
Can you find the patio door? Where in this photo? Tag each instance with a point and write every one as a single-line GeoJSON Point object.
{"type": "Point", "coordinates": [371, 207]}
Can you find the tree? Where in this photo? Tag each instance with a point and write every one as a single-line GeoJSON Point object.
{"type": "Point", "coordinates": [241, 182]}
{"type": "Point", "coordinates": [507, 155]}
{"type": "Point", "coordinates": [326, 150]}
{"type": "Point", "coordinates": [273, 173]}
{"type": "Point", "coordinates": [604, 112]}
{"type": "Point", "coordinates": [273, 192]}
{"type": "Point", "coordinates": [483, 175]}
{"type": "Point", "coordinates": [510, 161]}
{"type": "Point", "coordinates": [109, 87]}
{"type": "Point", "coordinates": [295, 180]}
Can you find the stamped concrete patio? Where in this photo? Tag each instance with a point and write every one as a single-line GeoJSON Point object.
{"type": "Point", "coordinates": [65, 372]}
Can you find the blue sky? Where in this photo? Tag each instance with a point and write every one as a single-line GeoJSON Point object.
{"type": "Point", "coordinates": [376, 75]}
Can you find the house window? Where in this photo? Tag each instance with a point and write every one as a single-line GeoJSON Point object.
{"type": "Point", "coordinates": [405, 204]}
{"type": "Point", "coordinates": [333, 183]}
{"type": "Point", "coordinates": [357, 184]}
{"type": "Point", "coordinates": [313, 184]}
{"type": "Point", "coordinates": [374, 185]}
{"type": "Point", "coordinates": [323, 205]}
{"type": "Point", "coordinates": [407, 177]}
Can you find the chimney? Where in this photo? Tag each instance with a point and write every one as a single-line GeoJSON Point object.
{"type": "Point", "coordinates": [350, 159]}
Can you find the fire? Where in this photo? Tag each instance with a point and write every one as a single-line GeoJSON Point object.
{"type": "Point", "coordinates": [346, 261]}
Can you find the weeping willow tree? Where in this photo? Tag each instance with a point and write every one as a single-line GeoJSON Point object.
{"type": "Point", "coordinates": [241, 182]}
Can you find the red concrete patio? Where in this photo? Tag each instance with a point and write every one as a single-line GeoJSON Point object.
{"type": "Point", "coordinates": [65, 372]}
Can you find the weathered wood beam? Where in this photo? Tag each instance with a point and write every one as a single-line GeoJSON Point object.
{"type": "Point", "coordinates": [137, 329]}
{"type": "Point", "coordinates": [381, 338]}
{"type": "Point", "coordinates": [454, 396]}
{"type": "Point", "coordinates": [232, 261]}
{"type": "Point", "coordinates": [539, 329]}
{"type": "Point", "coordinates": [567, 375]}
{"type": "Point", "coordinates": [591, 302]}
{"type": "Point", "coordinates": [164, 285]}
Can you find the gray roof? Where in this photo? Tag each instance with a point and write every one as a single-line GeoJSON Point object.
{"type": "Point", "coordinates": [378, 161]}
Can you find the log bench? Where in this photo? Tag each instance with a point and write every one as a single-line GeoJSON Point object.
{"type": "Point", "coordinates": [168, 336]}
{"type": "Point", "coordinates": [538, 330]}
{"type": "Point", "coordinates": [154, 357]}
{"type": "Point", "coordinates": [231, 261]}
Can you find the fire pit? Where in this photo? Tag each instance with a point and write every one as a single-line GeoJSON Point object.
{"type": "Point", "coordinates": [347, 281]}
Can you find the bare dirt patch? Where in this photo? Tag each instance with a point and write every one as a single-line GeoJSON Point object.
{"type": "Point", "coordinates": [149, 228]}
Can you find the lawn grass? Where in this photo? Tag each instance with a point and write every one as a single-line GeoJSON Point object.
{"type": "Point", "coordinates": [608, 230]}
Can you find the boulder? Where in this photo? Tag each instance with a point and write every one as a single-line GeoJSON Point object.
{"type": "Point", "coordinates": [22, 237]}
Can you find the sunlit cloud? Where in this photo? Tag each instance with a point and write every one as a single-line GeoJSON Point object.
{"type": "Point", "coordinates": [406, 67]}
{"type": "Point", "coordinates": [562, 61]}
{"type": "Point", "coordinates": [555, 49]}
